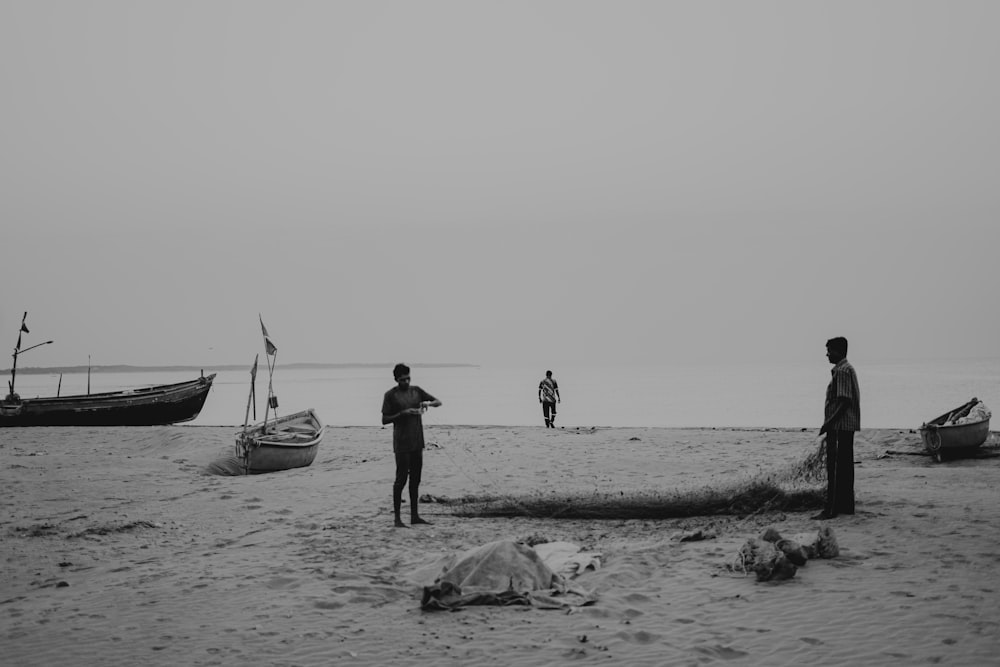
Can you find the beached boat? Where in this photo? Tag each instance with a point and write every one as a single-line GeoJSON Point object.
{"type": "Point", "coordinates": [957, 431]}
{"type": "Point", "coordinates": [143, 406]}
{"type": "Point", "coordinates": [278, 443]}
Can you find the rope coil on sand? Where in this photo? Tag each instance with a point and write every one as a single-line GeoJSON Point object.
{"type": "Point", "coordinates": [932, 439]}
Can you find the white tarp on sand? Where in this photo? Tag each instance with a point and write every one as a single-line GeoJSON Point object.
{"type": "Point", "coordinates": [506, 573]}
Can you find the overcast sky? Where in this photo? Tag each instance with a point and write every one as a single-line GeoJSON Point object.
{"type": "Point", "coordinates": [516, 183]}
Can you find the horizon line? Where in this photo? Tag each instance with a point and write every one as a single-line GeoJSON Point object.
{"type": "Point", "coordinates": [128, 368]}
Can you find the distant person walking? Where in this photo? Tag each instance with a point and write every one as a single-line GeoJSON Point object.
{"type": "Point", "coordinates": [548, 396]}
{"type": "Point", "coordinates": [402, 406]}
{"type": "Point", "coordinates": [841, 420]}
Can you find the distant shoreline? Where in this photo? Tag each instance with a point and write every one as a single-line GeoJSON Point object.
{"type": "Point", "coordinates": [122, 368]}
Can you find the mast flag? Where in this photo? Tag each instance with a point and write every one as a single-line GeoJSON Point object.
{"type": "Point", "coordinates": [269, 345]}
{"type": "Point", "coordinates": [24, 329]}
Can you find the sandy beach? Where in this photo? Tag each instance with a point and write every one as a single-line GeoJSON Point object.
{"type": "Point", "coordinates": [119, 548]}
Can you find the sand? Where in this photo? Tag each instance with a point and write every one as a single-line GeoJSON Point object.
{"type": "Point", "coordinates": [118, 548]}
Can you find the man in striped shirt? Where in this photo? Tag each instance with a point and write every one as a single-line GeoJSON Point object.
{"type": "Point", "coordinates": [841, 420]}
{"type": "Point", "coordinates": [548, 395]}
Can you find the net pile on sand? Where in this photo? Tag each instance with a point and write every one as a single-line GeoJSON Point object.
{"type": "Point", "coordinates": [772, 557]}
{"type": "Point", "coordinates": [789, 489]}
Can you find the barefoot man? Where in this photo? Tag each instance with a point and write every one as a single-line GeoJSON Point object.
{"type": "Point", "coordinates": [842, 419]}
{"type": "Point", "coordinates": [402, 405]}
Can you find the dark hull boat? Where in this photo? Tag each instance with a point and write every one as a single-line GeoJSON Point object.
{"type": "Point", "coordinates": [145, 406]}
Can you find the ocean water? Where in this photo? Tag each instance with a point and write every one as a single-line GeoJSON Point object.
{"type": "Point", "coordinates": [895, 394]}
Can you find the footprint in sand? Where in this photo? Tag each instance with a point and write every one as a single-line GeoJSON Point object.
{"type": "Point", "coordinates": [329, 604]}
{"type": "Point", "coordinates": [639, 637]}
{"type": "Point", "coordinates": [723, 652]}
{"type": "Point", "coordinates": [283, 583]}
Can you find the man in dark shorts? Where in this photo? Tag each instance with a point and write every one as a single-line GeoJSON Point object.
{"type": "Point", "coordinates": [402, 406]}
{"type": "Point", "coordinates": [841, 420]}
{"type": "Point", "coordinates": [548, 396]}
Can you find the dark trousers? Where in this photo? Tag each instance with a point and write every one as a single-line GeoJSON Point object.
{"type": "Point", "coordinates": [839, 472]}
{"type": "Point", "coordinates": [408, 464]}
{"type": "Point", "coordinates": [547, 408]}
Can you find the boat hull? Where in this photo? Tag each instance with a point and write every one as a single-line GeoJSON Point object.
{"type": "Point", "coordinates": [950, 441]}
{"type": "Point", "coordinates": [943, 440]}
{"type": "Point", "coordinates": [147, 406]}
{"type": "Point", "coordinates": [282, 444]}
{"type": "Point", "coordinates": [268, 458]}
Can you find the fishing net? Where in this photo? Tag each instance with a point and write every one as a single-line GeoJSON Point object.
{"type": "Point", "coordinates": [765, 560]}
{"type": "Point", "coordinates": [772, 557]}
{"type": "Point", "coordinates": [812, 468]}
{"type": "Point", "coordinates": [788, 488]}
{"type": "Point", "coordinates": [738, 498]}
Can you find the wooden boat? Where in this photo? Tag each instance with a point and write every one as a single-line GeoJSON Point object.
{"type": "Point", "coordinates": [945, 438]}
{"type": "Point", "coordinates": [144, 406]}
{"type": "Point", "coordinates": [281, 443]}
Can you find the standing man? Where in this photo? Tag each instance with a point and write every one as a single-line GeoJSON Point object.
{"type": "Point", "coordinates": [841, 420]}
{"type": "Point", "coordinates": [402, 405]}
{"type": "Point", "coordinates": [548, 396]}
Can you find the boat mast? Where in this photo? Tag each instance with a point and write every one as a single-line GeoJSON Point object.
{"type": "Point", "coordinates": [272, 400]}
{"type": "Point", "coordinates": [253, 395]}
{"type": "Point", "coordinates": [271, 356]}
{"type": "Point", "coordinates": [19, 351]}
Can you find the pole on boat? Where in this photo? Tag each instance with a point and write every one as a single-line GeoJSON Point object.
{"type": "Point", "coordinates": [13, 370]}
{"type": "Point", "coordinates": [88, 375]}
{"type": "Point", "coordinates": [18, 351]}
{"type": "Point", "coordinates": [272, 400]}
{"type": "Point", "coordinates": [252, 395]}
{"type": "Point", "coordinates": [271, 356]}
{"type": "Point", "coordinates": [59, 388]}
